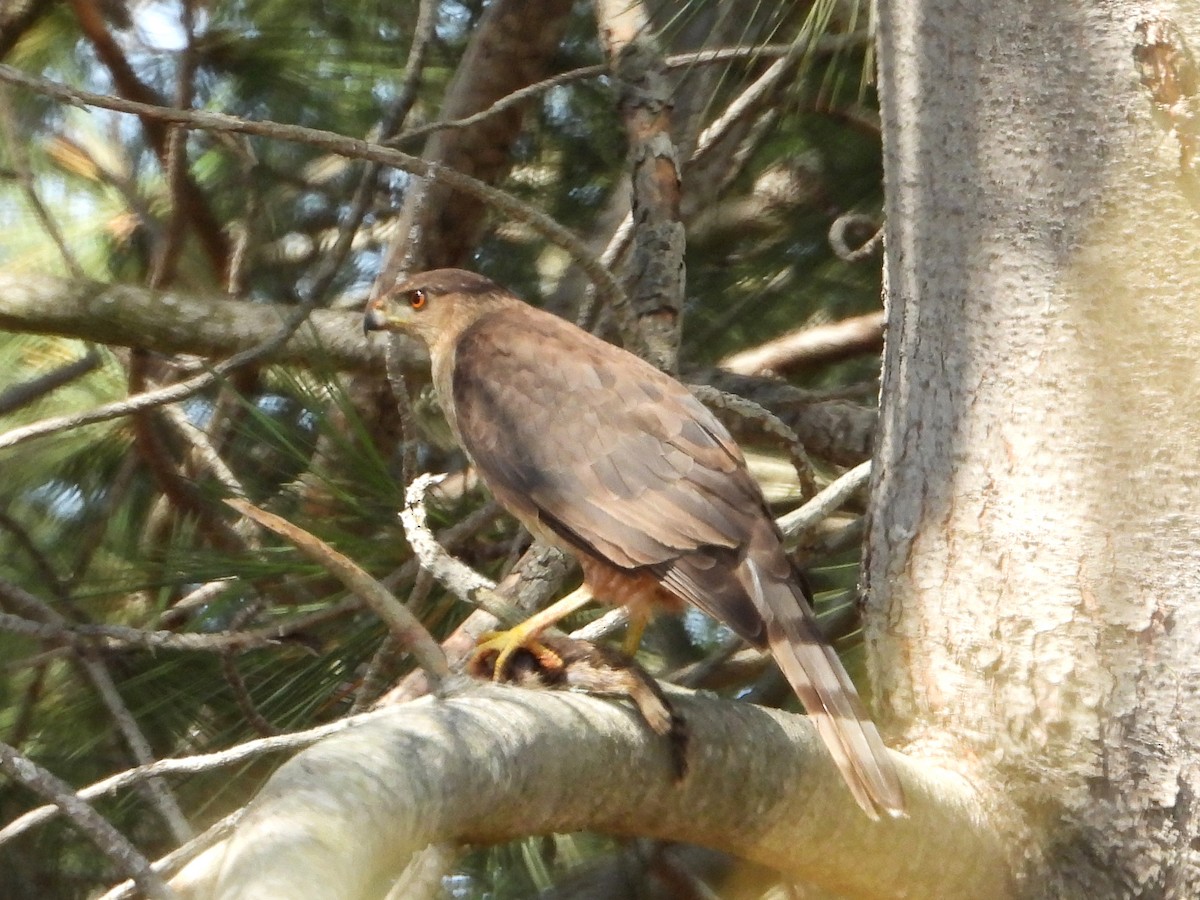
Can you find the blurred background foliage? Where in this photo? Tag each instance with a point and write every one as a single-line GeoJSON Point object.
{"type": "Point", "coordinates": [88, 527]}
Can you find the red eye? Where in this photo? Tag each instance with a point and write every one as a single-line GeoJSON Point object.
{"type": "Point", "coordinates": [417, 299]}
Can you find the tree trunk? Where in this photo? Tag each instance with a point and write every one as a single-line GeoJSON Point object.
{"type": "Point", "coordinates": [1033, 557]}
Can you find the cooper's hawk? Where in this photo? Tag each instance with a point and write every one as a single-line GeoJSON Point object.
{"type": "Point", "coordinates": [595, 450]}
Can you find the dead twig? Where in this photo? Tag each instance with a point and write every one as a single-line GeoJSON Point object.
{"type": "Point", "coordinates": [407, 629]}
{"type": "Point", "coordinates": [111, 842]}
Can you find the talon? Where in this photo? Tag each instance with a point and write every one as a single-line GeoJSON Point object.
{"type": "Point", "coordinates": [496, 650]}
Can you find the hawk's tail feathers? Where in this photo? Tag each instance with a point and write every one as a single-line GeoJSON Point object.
{"type": "Point", "coordinates": [820, 681]}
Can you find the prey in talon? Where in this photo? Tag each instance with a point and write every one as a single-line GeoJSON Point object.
{"type": "Point", "coordinates": [562, 662]}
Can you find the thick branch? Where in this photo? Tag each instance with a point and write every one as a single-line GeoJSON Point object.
{"type": "Point", "coordinates": [496, 763]}
{"type": "Point", "coordinates": [170, 322]}
{"type": "Point", "coordinates": [658, 239]}
{"type": "Point", "coordinates": [504, 54]}
{"type": "Point", "coordinates": [812, 346]}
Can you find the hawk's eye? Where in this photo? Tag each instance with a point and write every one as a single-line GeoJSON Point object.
{"type": "Point", "coordinates": [417, 299]}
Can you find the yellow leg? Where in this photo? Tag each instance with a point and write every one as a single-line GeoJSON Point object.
{"type": "Point", "coordinates": [639, 615]}
{"type": "Point", "coordinates": [506, 643]}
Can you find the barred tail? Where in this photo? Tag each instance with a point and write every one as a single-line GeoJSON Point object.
{"type": "Point", "coordinates": [820, 681]}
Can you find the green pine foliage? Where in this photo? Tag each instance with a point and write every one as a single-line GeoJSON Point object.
{"type": "Point", "coordinates": [90, 526]}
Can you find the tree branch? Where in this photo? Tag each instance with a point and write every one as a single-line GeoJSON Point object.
{"type": "Point", "coordinates": [404, 627]}
{"type": "Point", "coordinates": [132, 316]}
{"type": "Point", "coordinates": [811, 346]}
{"type": "Point", "coordinates": [174, 322]}
{"type": "Point", "coordinates": [493, 764]}
{"type": "Point", "coordinates": [111, 842]}
{"type": "Point", "coordinates": [607, 287]}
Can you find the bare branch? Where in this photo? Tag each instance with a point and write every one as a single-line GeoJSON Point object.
{"type": "Point", "coordinates": [170, 394]}
{"type": "Point", "coordinates": [809, 347]}
{"type": "Point", "coordinates": [199, 213]}
{"type": "Point", "coordinates": [15, 143]}
{"type": "Point", "coordinates": [825, 44]}
{"type": "Point", "coordinates": [187, 765]}
{"type": "Point", "coordinates": [839, 232]}
{"type": "Point", "coordinates": [38, 620]}
{"type": "Point", "coordinates": [489, 765]}
{"type": "Point", "coordinates": [96, 672]}
{"type": "Point", "coordinates": [353, 148]}
{"type": "Point", "coordinates": [797, 523]}
{"type": "Point", "coordinates": [402, 624]}
{"type": "Point", "coordinates": [177, 322]}
{"type": "Point", "coordinates": [18, 395]}
{"type": "Point", "coordinates": [768, 422]}
{"type": "Point", "coordinates": [177, 858]}
{"type": "Point", "coordinates": [363, 194]}
{"type": "Point", "coordinates": [658, 241]}
{"type": "Point", "coordinates": [111, 842]}
{"type": "Point", "coordinates": [203, 451]}
{"type": "Point", "coordinates": [461, 580]}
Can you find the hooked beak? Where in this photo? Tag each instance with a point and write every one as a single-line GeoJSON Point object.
{"type": "Point", "coordinates": [376, 317]}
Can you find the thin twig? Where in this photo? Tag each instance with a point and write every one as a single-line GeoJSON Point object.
{"type": "Point", "coordinates": [41, 564]}
{"type": "Point", "coordinates": [770, 423]}
{"type": "Point", "coordinates": [460, 579]}
{"type": "Point", "coordinates": [160, 797]}
{"type": "Point", "coordinates": [187, 765]}
{"type": "Point", "coordinates": [92, 22]}
{"type": "Point", "coordinates": [332, 260]}
{"type": "Point", "coordinates": [203, 451]}
{"type": "Point", "coordinates": [406, 627]}
{"type": "Point", "coordinates": [798, 522]}
{"type": "Point", "coordinates": [157, 791]}
{"type": "Point", "coordinates": [607, 287]}
{"type": "Point", "coordinates": [172, 393]}
{"type": "Point", "coordinates": [111, 842]}
{"type": "Point", "coordinates": [26, 392]}
{"type": "Point", "coordinates": [841, 246]}
{"type": "Point", "coordinates": [241, 695]}
{"type": "Point", "coordinates": [826, 43]}
{"type": "Point", "coordinates": [20, 162]}
{"type": "Point", "coordinates": [167, 865]}
{"type": "Point", "coordinates": [121, 637]}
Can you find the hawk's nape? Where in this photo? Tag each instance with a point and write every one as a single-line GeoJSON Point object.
{"type": "Point", "coordinates": [616, 462]}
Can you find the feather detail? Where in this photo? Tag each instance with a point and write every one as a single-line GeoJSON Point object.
{"type": "Point", "coordinates": [817, 676]}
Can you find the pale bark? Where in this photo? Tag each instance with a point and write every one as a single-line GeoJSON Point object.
{"type": "Point", "coordinates": [342, 818]}
{"type": "Point", "coordinates": [809, 347]}
{"type": "Point", "coordinates": [1034, 562]}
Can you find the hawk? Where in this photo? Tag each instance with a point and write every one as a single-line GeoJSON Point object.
{"type": "Point", "coordinates": [603, 455]}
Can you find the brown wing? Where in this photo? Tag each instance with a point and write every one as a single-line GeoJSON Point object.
{"type": "Point", "coordinates": [577, 437]}
{"type": "Point", "coordinates": [607, 452]}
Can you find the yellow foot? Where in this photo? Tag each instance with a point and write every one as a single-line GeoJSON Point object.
{"type": "Point", "coordinates": [501, 645]}
{"type": "Point", "coordinates": [495, 652]}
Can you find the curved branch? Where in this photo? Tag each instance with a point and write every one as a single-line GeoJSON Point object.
{"type": "Point", "coordinates": [497, 763]}
{"type": "Point", "coordinates": [111, 842]}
